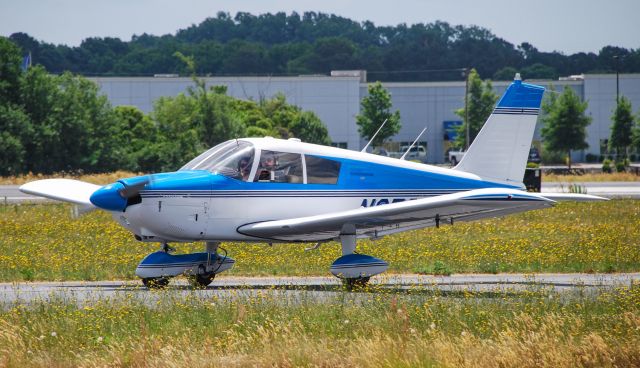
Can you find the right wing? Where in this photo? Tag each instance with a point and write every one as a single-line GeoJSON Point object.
{"type": "Point", "coordinates": [67, 190]}
{"type": "Point", "coordinates": [391, 218]}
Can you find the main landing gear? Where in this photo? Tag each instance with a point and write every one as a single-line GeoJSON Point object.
{"type": "Point", "coordinates": [355, 269]}
{"type": "Point", "coordinates": [159, 267]}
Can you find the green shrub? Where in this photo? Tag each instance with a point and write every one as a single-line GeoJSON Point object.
{"type": "Point", "coordinates": [591, 158]}
{"type": "Point", "coordinates": [606, 166]}
{"type": "Point", "coordinates": [621, 166]}
{"type": "Point", "coordinates": [551, 157]}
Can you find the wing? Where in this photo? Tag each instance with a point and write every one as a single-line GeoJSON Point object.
{"type": "Point", "coordinates": [67, 190]}
{"type": "Point", "coordinates": [396, 217]}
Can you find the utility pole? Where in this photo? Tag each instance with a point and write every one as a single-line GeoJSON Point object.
{"type": "Point", "coordinates": [617, 59]}
{"type": "Point", "coordinates": [465, 73]}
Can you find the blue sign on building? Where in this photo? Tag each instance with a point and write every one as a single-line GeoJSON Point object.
{"type": "Point", "coordinates": [450, 128]}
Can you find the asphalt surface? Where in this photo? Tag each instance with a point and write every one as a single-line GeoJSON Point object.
{"type": "Point", "coordinates": [312, 289]}
{"type": "Point", "coordinates": [612, 189]}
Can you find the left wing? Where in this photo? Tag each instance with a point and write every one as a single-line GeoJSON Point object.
{"type": "Point", "coordinates": [396, 217]}
{"type": "Point", "coordinates": [67, 190]}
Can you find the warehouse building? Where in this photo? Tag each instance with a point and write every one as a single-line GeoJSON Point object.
{"type": "Point", "coordinates": [336, 100]}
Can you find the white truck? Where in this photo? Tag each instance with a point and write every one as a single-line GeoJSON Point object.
{"type": "Point", "coordinates": [417, 153]}
{"type": "Point", "coordinates": [455, 157]}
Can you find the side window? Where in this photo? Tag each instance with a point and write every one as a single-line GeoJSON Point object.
{"type": "Point", "coordinates": [279, 167]}
{"type": "Point", "coordinates": [321, 170]}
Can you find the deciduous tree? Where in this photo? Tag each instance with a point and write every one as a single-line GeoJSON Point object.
{"type": "Point", "coordinates": [375, 108]}
{"type": "Point", "coordinates": [565, 124]}
{"type": "Point", "coordinates": [481, 101]}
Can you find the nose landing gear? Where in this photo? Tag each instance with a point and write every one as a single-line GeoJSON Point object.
{"type": "Point", "coordinates": [157, 268]}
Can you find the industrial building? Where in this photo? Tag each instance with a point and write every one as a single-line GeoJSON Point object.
{"type": "Point", "coordinates": [336, 100]}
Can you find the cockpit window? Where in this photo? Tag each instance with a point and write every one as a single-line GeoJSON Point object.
{"type": "Point", "coordinates": [232, 159]}
{"type": "Point", "coordinates": [321, 170]}
{"type": "Point", "coordinates": [279, 167]}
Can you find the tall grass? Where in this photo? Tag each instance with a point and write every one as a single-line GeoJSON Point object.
{"type": "Point", "coordinates": [372, 329]}
{"type": "Point", "coordinates": [43, 242]}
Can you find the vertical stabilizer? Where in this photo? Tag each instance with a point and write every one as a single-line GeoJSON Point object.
{"type": "Point", "coordinates": [500, 150]}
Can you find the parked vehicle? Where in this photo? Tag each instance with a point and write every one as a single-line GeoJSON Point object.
{"type": "Point", "coordinates": [455, 157]}
{"type": "Point", "coordinates": [418, 153]}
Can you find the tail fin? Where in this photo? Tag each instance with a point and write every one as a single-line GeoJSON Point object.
{"type": "Point", "coordinates": [501, 148]}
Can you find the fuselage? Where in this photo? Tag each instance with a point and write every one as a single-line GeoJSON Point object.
{"type": "Point", "coordinates": [203, 201]}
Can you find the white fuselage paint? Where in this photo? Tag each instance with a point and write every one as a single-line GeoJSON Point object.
{"type": "Point", "coordinates": [196, 219]}
{"type": "Point", "coordinates": [217, 218]}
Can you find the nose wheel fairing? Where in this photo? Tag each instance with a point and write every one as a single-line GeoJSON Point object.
{"type": "Point", "coordinates": [161, 264]}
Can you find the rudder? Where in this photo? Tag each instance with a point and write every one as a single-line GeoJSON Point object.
{"type": "Point", "coordinates": [500, 150]}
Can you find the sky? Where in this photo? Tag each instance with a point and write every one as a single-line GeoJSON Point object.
{"type": "Point", "coordinates": [568, 26]}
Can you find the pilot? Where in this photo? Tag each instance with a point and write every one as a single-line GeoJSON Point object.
{"type": "Point", "coordinates": [267, 168]}
{"type": "Point", "coordinates": [244, 167]}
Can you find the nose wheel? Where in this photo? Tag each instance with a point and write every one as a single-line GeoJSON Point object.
{"type": "Point", "coordinates": [157, 268]}
{"type": "Point", "coordinates": [202, 279]}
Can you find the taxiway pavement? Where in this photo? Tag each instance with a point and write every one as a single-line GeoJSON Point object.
{"type": "Point", "coordinates": [311, 289]}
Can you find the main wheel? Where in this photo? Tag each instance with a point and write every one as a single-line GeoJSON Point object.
{"type": "Point", "coordinates": [202, 279]}
{"type": "Point", "coordinates": [355, 283]}
{"type": "Point", "coordinates": [155, 282]}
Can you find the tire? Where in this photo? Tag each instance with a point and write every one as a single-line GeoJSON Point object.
{"type": "Point", "coordinates": [454, 161]}
{"type": "Point", "coordinates": [355, 283]}
{"type": "Point", "coordinates": [202, 279]}
{"type": "Point", "coordinates": [155, 282]}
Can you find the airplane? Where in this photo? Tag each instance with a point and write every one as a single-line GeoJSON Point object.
{"type": "Point", "coordinates": [282, 191]}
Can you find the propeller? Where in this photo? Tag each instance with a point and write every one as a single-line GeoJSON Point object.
{"type": "Point", "coordinates": [117, 196]}
{"type": "Point", "coordinates": [133, 189]}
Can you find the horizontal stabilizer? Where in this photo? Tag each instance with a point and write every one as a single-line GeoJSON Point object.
{"type": "Point", "coordinates": [67, 190]}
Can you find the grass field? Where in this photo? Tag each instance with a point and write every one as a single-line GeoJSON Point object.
{"type": "Point", "coordinates": [43, 242]}
{"type": "Point", "coordinates": [533, 328]}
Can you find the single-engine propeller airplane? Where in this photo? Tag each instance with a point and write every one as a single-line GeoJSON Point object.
{"type": "Point", "coordinates": [273, 190]}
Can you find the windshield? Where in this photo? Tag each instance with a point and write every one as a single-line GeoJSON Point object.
{"type": "Point", "coordinates": [232, 159]}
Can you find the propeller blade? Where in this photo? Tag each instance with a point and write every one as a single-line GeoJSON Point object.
{"type": "Point", "coordinates": [131, 190]}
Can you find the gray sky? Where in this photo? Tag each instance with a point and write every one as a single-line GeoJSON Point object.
{"type": "Point", "coordinates": [568, 26]}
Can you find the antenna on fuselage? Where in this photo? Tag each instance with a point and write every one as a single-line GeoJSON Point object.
{"type": "Point", "coordinates": [412, 144]}
{"type": "Point", "coordinates": [374, 136]}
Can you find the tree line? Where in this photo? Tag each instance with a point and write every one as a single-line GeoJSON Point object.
{"type": "Point", "coordinates": [318, 43]}
{"type": "Point", "coordinates": [53, 123]}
